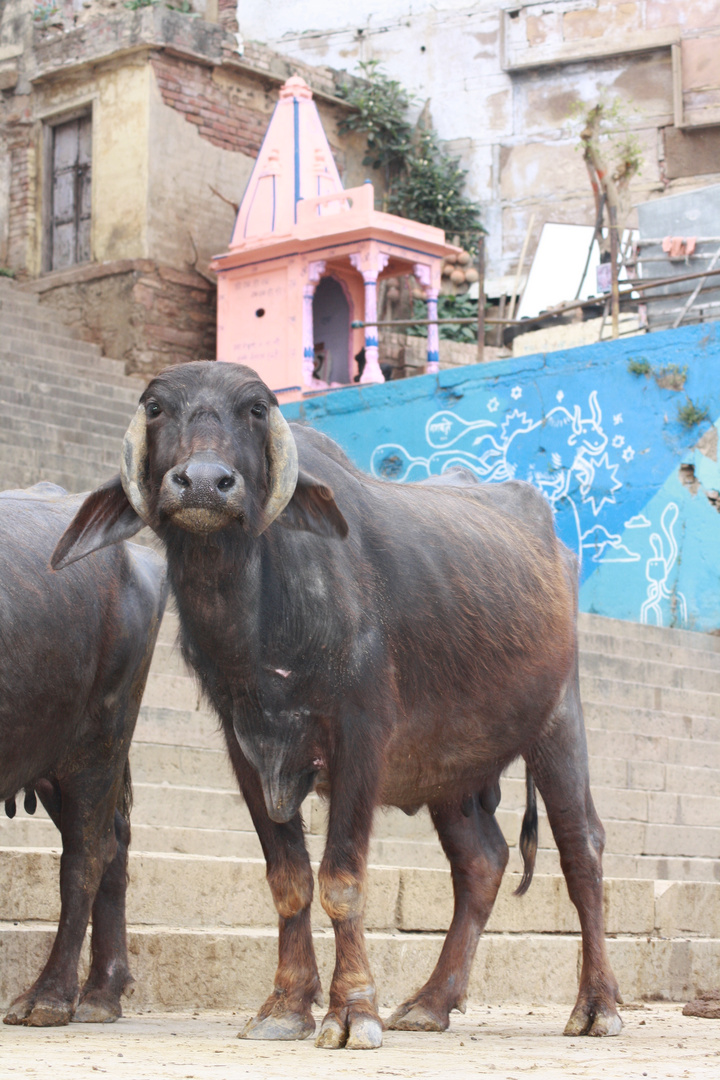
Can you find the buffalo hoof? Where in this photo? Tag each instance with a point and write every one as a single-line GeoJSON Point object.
{"type": "Point", "coordinates": [706, 1005]}
{"type": "Point", "coordinates": [35, 1011]}
{"type": "Point", "coordinates": [285, 1028]}
{"type": "Point", "coordinates": [361, 1032]}
{"type": "Point", "coordinates": [365, 1034]}
{"type": "Point", "coordinates": [415, 1016]}
{"type": "Point", "coordinates": [598, 1022]}
{"type": "Point", "coordinates": [95, 1010]}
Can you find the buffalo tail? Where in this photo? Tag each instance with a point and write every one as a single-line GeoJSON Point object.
{"type": "Point", "coordinates": [528, 835]}
{"type": "Point", "coordinates": [125, 799]}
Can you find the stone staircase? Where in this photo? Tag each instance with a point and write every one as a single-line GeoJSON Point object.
{"type": "Point", "coordinates": [64, 407]}
{"type": "Point", "coordinates": [202, 925]}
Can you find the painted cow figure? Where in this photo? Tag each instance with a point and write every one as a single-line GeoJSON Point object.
{"type": "Point", "coordinates": [76, 648]}
{"type": "Point", "coordinates": [387, 644]}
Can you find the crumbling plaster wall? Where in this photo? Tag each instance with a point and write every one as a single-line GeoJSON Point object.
{"type": "Point", "coordinates": [117, 92]}
{"type": "Point", "coordinates": [502, 80]}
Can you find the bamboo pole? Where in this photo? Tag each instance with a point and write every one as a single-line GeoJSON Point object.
{"type": "Point", "coordinates": [481, 300]}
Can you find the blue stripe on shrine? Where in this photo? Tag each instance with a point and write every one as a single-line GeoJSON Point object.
{"type": "Point", "coordinates": [433, 356]}
{"type": "Point", "coordinates": [370, 341]}
{"type": "Point", "coordinates": [296, 132]}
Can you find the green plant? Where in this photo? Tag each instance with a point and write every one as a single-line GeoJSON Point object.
{"type": "Point", "coordinates": [422, 181]}
{"type": "Point", "coordinates": [430, 190]}
{"type": "Point", "coordinates": [449, 307]}
{"type": "Point", "coordinates": [184, 7]}
{"type": "Point", "coordinates": [639, 367]}
{"type": "Point", "coordinates": [135, 5]}
{"type": "Point", "coordinates": [671, 377]}
{"type": "Point", "coordinates": [5, 271]}
{"type": "Point", "coordinates": [381, 106]}
{"type": "Point", "coordinates": [691, 414]}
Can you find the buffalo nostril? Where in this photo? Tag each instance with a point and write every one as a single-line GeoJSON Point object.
{"type": "Point", "coordinates": [181, 480]}
{"type": "Point", "coordinates": [225, 483]}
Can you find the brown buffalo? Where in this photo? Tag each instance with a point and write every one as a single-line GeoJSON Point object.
{"type": "Point", "coordinates": [391, 645]}
{"type": "Point", "coordinates": [76, 648]}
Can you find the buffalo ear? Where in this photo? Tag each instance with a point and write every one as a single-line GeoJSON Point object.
{"type": "Point", "coordinates": [312, 508]}
{"type": "Point", "coordinates": [106, 517]}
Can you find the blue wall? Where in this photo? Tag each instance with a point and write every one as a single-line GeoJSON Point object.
{"type": "Point", "coordinates": [603, 445]}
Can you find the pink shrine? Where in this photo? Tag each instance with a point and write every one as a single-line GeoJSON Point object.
{"type": "Point", "coordinates": [305, 259]}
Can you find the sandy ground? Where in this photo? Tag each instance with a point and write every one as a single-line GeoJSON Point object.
{"type": "Point", "coordinates": [502, 1042]}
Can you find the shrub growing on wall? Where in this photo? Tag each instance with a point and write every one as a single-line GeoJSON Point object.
{"type": "Point", "coordinates": [422, 181]}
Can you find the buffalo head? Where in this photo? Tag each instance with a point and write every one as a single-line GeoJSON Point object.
{"type": "Point", "coordinates": [207, 450]}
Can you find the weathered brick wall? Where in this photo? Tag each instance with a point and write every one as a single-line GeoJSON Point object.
{"type": "Point", "coordinates": [20, 201]}
{"type": "Point", "coordinates": [221, 118]}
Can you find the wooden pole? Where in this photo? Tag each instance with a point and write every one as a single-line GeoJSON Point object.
{"type": "Point", "coordinates": [520, 266]}
{"type": "Point", "coordinates": [481, 300]}
{"type": "Point", "coordinates": [615, 305]}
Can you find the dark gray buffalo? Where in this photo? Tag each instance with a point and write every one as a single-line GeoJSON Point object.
{"type": "Point", "coordinates": [74, 655]}
{"type": "Point", "coordinates": [390, 644]}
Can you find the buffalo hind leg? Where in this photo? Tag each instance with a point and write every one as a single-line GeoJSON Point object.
{"type": "Point", "coordinates": [287, 1013]}
{"type": "Point", "coordinates": [89, 847]}
{"type": "Point", "coordinates": [478, 855]}
{"type": "Point", "coordinates": [559, 765]}
{"type": "Point", "coordinates": [109, 976]}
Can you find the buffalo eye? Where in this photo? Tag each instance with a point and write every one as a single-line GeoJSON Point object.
{"type": "Point", "coordinates": [152, 409]}
{"type": "Point", "coordinates": [259, 409]}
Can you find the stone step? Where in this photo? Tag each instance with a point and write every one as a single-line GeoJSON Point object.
{"type": "Point", "coordinates": [50, 465]}
{"type": "Point", "coordinates": [97, 437]}
{"type": "Point", "coordinates": [72, 409]}
{"type": "Point", "coordinates": [656, 673]}
{"type": "Point", "coordinates": [173, 692]}
{"type": "Point", "coordinates": [665, 652]}
{"type": "Point", "coordinates": [178, 727]}
{"type": "Point", "coordinates": [202, 891]}
{"type": "Point", "coordinates": [636, 823]}
{"type": "Point", "coordinates": [167, 660]}
{"type": "Point", "coordinates": [190, 969]}
{"type": "Point", "coordinates": [25, 474]}
{"type": "Point", "coordinates": [664, 635]}
{"type": "Point", "coordinates": [23, 351]}
{"type": "Point", "coordinates": [645, 696]}
{"type": "Point", "coordinates": [649, 749]}
{"type": "Point", "coordinates": [652, 867]}
{"type": "Point", "coordinates": [427, 854]}
{"type": "Point", "coordinates": [29, 355]}
{"type": "Point", "coordinates": [616, 716]}
{"type": "Point", "coordinates": [33, 385]}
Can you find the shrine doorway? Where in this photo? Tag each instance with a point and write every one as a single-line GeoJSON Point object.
{"type": "Point", "coordinates": [331, 332]}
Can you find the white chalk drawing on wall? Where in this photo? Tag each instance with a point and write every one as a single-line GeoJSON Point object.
{"type": "Point", "coordinates": [565, 453]}
{"type": "Point", "coordinates": [662, 601]}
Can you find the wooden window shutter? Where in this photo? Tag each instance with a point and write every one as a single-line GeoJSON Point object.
{"type": "Point", "coordinates": [71, 193]}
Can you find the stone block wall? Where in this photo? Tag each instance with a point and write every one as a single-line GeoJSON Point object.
{"type": "Point", "coordinates": [149, 315]}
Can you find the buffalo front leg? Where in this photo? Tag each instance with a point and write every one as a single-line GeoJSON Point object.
{"type": "Point", "coordinates": [287, 1013]}
{"type": "Point", "coordinates": [559, 765]}
{"type": "Point", "coordinates": [88, 848]}
{"type": "Point", "coordinates": [478, 856]}
{"type": "Point", "coordinates": [352, 1019]}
